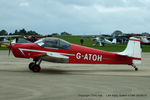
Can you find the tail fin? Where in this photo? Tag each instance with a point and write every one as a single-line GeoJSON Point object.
{"type": "Point", "coordinates": [133, 50]}
{"type": "Point", "coordinates": [144, 39]}
{"type": "Point", "coordinates": [114, 41]}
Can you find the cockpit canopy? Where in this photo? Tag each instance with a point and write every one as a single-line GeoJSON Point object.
{"type": "Point", "coordinates": [53, 43]}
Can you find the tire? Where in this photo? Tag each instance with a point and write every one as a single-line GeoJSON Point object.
{"type": "Point", "coordinates": [30, 65]}
{"type": "Point", "coordinates": [136, 69]}
{"type": "Point", "coordinates": [35, 68]}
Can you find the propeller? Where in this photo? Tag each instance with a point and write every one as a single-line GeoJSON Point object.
{"type": "Point", "coordinates": [10, 45]}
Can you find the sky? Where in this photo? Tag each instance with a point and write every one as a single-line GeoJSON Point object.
{"type": "Point", "coordinates": [78, 17]}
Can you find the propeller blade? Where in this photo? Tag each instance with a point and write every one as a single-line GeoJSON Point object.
{"type": "Point", "coordinates": [9, 53]}
{"type": "Point", "coordinates": [10, 45]}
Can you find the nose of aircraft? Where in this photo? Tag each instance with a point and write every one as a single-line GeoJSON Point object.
{"type": "Point", "coordinates": [15, 50]}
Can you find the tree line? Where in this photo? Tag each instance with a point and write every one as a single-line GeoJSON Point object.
{"type": "Point", "coordinates": [19, 32]}
{"type": "Point", "coordinates": [24, 32]}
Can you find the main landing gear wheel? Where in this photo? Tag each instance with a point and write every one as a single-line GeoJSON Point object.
{"type": "Point", "coordinates": [30, 65]}
{"type": "Point", "coordinates": [34, 67]}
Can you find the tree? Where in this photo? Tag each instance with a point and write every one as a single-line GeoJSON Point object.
{"type": "Point", "coordinates": [56, 34]}
{"type": "Point", "coordinates": [116, 33]}
{"type": "Point", "coordinates": [3, 32]}
{"type": "Point", "coordinates": [10, 33]}
{"type": "Point", "coordinates": [65, 33]}
{"type": "Point", "coordinates": [16, 32]}
{"type": "Point", "coordinates": [23, 32]}
{"type": "Point", "coordinates": [32, 33]}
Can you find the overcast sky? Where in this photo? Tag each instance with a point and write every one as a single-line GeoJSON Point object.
{"type": "Point", "coordinates": [75, 16]}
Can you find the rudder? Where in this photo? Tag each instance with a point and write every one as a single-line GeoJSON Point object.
{"type": "Point", "coordinates": [133, 50]}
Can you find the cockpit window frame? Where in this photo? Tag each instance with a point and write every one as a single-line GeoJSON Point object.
{"type": "Point", "coordinates": [61, 44]}
{"type": "Point", "coordinates": [40, 42]}
{"type": "Point", "coordinates": [64, 45]}
{"type": "Point", "coordinates": [52, 47]}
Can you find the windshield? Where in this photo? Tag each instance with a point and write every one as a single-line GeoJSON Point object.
{"type": "Point", "coordinates": [40, 42]}
{"type": "Point", "coordinates": [53, 43]}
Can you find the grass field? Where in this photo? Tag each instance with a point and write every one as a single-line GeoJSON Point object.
{"type": "Point", "coordinates": [2, 48]}
{"type": "Point", "coordinates": [108, 47]}
{"type": "Point", "coordinates": [89, 43]}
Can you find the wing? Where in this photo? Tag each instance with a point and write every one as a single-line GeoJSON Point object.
{"type": "Point", "coordinates": [11, 36]}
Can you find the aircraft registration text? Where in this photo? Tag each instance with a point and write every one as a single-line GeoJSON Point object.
{"type": "Point", "coordinates": [92, 57]}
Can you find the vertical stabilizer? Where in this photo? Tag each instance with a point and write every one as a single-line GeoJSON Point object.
{"type": "Point", "coordinates": [144, 39]}
{"type": "Point", "coordinates": [114, 41]}
{"type": "Point", "coordinates": [133, 50]}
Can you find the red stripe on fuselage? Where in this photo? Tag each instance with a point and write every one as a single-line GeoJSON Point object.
{"type": "Point", "coordinates": [136, 58]}
{"type": "Point", "coordinates": [134, 40]}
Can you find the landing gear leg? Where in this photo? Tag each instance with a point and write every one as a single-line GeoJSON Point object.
{"type": "Point", "coordinates": [35, 66]}
{"type": "Point", "coordinates": [134, 66]}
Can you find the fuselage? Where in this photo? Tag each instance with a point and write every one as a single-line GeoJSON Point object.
{"type": "Point", "coordinates": [76, 54]}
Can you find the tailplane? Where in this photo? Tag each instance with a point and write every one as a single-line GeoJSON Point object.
{"type": "Point", "coordinates": [133, 50]}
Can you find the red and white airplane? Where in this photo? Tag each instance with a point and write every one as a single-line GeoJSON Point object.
{"type": "Point", "coordinates": [144, 40]}
{"type": "Point", "coordinates": [60, 51]}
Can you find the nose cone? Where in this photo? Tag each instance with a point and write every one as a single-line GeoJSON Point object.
{"type": "Point", "coordinates": [15, 50]}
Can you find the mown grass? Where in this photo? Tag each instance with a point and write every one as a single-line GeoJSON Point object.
{"type": "Point", "coordinates": [89, 43]}
{"type": "Point", "coordinates": [146, 48]}
{"type": "Point", "coordinates": [3, 48]}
